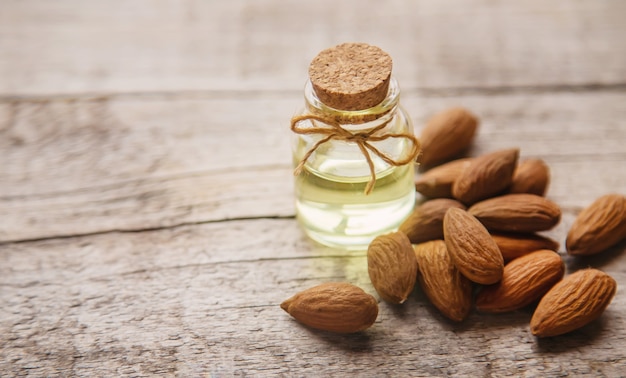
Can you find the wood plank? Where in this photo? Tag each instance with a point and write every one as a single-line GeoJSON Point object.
{"type": "Point", "coordinates": [89, 166]}
{"type": "Point", "coordinates": [146, 46]}
{"type": "Point", "coordinates": [205, 300]}
{"type": "Point", "coordinates": [146, 216]}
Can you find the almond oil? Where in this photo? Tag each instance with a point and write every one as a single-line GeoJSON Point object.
{"type": "Point", "coordinates": [348, 191]}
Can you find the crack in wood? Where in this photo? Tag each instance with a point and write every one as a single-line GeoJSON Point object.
{"type": "Point", "coordinates": [146, 181]}
{"type": "Point", "coordinates": [280, 93]}
{"type": "Point", "coordinates": [226, 262]}
{"type": "Point", "coordinates": [145, 229]}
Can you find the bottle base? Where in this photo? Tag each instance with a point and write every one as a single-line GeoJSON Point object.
{"type": "Point", "coordinates": [352, 227]}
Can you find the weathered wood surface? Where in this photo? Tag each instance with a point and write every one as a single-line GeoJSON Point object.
{"type": "Point", "coordinates": [58, 47]}
{"type": "Point", "coordinates": [164, 162]}
{"type": "Point", "coordinates": [146, 216]}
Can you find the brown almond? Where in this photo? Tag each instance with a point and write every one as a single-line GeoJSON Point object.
{"type": "Point", "coordinates": [437, 182]}
{"type": "Point", "coordinates": [531, 176]}
{"type": "Point", "coordinates": [513, 246]}
{"type": "Point", "coordinates": [599, 226]}
{"type": "Point", "coordinates": [517, 213]}
{"type": "Point", "coordinates": [426, 221]}
{"type": "Point", "coordinates": [335, 306]}
{"type": "Point", "coordinates": [572, 303]}
{"type": "Point", "coordinates": [524, 281]}
{"type": "Point", "coordinates": [472, 249]}
{"type": "Point", "coordinates": [446, 288]}
{"type": "Point", "coordinates": [486, 176]}
{"type": "Point", "coordinates": [446, 135]}
{"type": "Point", "coordinates": [392, 266]}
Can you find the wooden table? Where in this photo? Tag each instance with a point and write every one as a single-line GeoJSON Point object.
{"type": "Point", "coordinates": [146, 192]}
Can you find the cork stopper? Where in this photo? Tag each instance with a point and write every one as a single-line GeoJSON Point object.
{"type": "Point", "coordinates": [351, 76]}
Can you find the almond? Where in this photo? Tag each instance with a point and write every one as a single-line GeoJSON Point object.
{"type": "Point", "coordinates": [426, 221]}
{"type": "Point", "coordinates": [437, 182]}
{"type": "Point", "coordinates": [446, 135]}
{"type": "Point", "coordinates": [599, 226]}
{"type": "Point", "coordinates": [524, 281]}
{"type": "Point", "coordinates": [392, 266]}
{"type": "Point", "coordinates": [446, 288]}
{"type": "Point", "coordinates": [572, 303]}
{"type": "Point", "coordinates": [513, 246]}
{"type": "Point", "coordinates": [517, 213]}
{"type": "Point", "coordinates": [336, 307]}
{"type": "Point", "coordinates": [486, 176]}
{"type": "Point", "coordinates": [531, 176]}
{"type": "Point", "coordinates": [472, 249]}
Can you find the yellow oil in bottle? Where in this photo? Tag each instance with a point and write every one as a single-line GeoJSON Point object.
{"type": "Point", "coordinates": [331, 204]}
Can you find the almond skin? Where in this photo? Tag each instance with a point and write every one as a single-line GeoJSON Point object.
{"type": "Point", "coordinates": [572, 303]}
{"type": "Point", "coordinates": [446, 135]}
{"type": "Point", "coordinates": [517, 213]}
{"type": "Point", "coordinates": [524, 281]}
{"type": "Point", "coordinates": [513, 246]}
{"type": "Point", "coordinates": [446, 288]}
{"type": "Point", "coordinates": [472, 249]}
{"type": "Point", "coordinates": [437, 182]}
{"type": "Point", "coordinates": [392, 266]}
{"type": "Point", "coordinates": [598, 227]}
{"type": "Point", "coordinates": [335, 306]}
{"type": "Point", "coordinates": [486, 176]}
{"type": "Point", "coordinates": [531, 176]}
{"type": "Point", "coordinates": [426, 221]}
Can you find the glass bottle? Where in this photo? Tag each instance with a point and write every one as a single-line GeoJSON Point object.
{"type": "Point", "coordinates": [342, 199]}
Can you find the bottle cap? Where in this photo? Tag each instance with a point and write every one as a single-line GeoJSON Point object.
{"type": "Point", "coordinates": [351, 76]}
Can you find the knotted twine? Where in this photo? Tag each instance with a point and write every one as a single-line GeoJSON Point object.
{"type": "Point", "coordinates": [335, 131]}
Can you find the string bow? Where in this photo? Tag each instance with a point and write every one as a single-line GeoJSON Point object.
{"type": "Point", "coordinates": [335, 131]}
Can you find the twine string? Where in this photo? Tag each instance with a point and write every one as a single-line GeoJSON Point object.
{"type": "Point", "coordinates": [334, 131]}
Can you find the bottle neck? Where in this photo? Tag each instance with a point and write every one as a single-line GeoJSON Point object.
{"type": "Point", "coordinates": [355, 119]}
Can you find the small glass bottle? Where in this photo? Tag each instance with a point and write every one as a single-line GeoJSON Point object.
{"type": "Point", "coordinates": [353, 148]}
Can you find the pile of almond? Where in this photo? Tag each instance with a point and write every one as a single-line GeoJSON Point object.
{"type": "Point", "coordinates": [475, 244]}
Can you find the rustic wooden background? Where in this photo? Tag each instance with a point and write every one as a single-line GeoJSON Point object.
{"type": "Point", "coordinates": [146, 208]}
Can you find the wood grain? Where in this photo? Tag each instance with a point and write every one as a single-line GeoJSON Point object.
{"type": "Point", "coordinates": [189, 301]}
{"type": "Point", "coordinates": [145, 46]}
{"type": "Point", "coordinates": [90, 166]}
{"type": "Point", "coordinates": [146, 198]}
